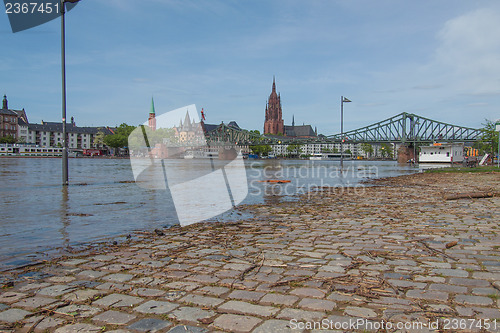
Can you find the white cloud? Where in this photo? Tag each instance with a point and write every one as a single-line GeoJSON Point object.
{"type": "Point", "coordinates": [470, 50]}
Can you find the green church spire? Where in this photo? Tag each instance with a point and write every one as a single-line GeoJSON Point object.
{"type": "Point", "coordinates": [152, 111]}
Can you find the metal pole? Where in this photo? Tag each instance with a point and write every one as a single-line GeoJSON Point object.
{"type": "Point", "coordinates": [341, 133]}
{"type": "Point", "coordinates": [414, 142]}
{"type": "Point", "coordinates": [498, 156]}
{"type": "Point", "coordinates": [63, 70]}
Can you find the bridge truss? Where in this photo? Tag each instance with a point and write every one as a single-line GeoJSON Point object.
{"type": "Point", "coordinates": [408, 128]}
{"type": "Point", "coordinates": [402, 128]}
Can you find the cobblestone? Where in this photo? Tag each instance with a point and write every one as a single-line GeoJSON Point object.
{"type": "Point", "coordinates": [149, 325]}
{"type": "Point", "coordinates": [317, 304]}
{"type": "Point", "coordinates": [191, 314]}
{"type": "Point", "coordinates": [428, 295]}
{"type": "Point", "coordinates": [118, 300]}
{"type": "Point", "coordinates": [341, 257]}
{"type": "Point", "coordinates": [13, 315]}
{"type": "Point", "coordinates": [239, 307]}
{"type": "Point", "coordinates": [246, 295]}
{"type": "Point", "coordinates": [278, 299]}
{"type": "Point", "coordinates": [156, 307]}
{"type": "Point", "coordinates": [235, 323]}
{"type": "Point", "coordinates": [473, 300]}
{"type": "Point", "coordinates": [114, 317]}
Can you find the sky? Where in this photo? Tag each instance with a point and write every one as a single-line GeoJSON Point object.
{"type": "Point", "coordinates": [437, 59]}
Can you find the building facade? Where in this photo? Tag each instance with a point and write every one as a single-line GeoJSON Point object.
{"type": "Point", "coordinates": [274, 123]}
{"type": "Point", "coordinates": [300, 131]}
{"type": "Point", "coordinates": [10, 119]}
{"type": "Point", "coordinates": [274, 118]}
{"type": "Point", "coordinates": [49, 134]}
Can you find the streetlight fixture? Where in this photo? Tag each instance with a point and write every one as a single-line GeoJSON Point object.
{"type": "Point", "coordinates": [342, 101]}
{"type": "Point", "coordinates": [63, 71]}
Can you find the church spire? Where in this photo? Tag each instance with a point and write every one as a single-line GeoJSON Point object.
{"type": "Point", "coordinates": [274, 84]}
{"type": "Point", "coordinates": [152, 116]}
{"type": "Point", "coordinates": [152, 111]}
{"type": "Point", "coordinates": [293, 121]}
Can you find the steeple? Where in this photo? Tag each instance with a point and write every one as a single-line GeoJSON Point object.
{"type": "Point", "coordinates": [152, 116]}
{"type": "Point", "coordinates": [152, 111]}
{"type": "Point", "coordinates": [273, 123]}
{"type": "Point", "coordinates": [187, 121]}
{"type": "Point", "coordinates": [293, 121]}
{"type": "Point", "coordinates": [4, 104]}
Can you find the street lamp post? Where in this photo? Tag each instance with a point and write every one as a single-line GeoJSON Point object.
{"type": "Point", "coordinates": [63, 71]}
{"type": "Point", "coordinates": [415, 123]}
{"type": "Point", "coordinates": [497, 128]}
{"type": "Point", "coordinates": [342, 101]}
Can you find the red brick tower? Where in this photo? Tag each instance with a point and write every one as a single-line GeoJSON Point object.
{"type": "Point", "coordinates": [274, 118]}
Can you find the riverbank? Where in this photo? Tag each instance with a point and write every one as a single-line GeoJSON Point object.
{"type": "Point", "coordinates": [396, 252]}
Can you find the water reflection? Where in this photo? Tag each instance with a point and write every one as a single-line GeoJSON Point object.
{"type": "Point", "coordinates": [38, 214]}
{"type": "Point", "coordinates": [65, 220]}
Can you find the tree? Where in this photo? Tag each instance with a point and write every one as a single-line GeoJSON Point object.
{"type": "Point", "coordinates": [115, 140]}
{"type": "Point", "coordinates": [120, 138]}
{"type": "Point", "coordinates": [124, 129]}
{"type": "Point", "coordinates": [99, 139]}
{"type": "Point", "coordinates": [293, 150]}
{"type": "Point", "coordinates": [488, 142]}
{"type": "Point", "coordinates": [256, 132]}
{"type": "Point", "coordinates": [261, 150]}
{"type": "Point", "coordinates": [8, 139]}
{"type": "Point", "coordinates": [367, 149]}
{"type": "Point", "coordinates": [386, 151]}
{"type": "Point", "coordinates": [326, 150]}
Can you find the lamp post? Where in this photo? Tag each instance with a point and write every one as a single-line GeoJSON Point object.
{"type": "Point", "coordinates": [63, 71]}
{"type": "Point", "coordinates": [415, 123]}
{"type": "Point", "coordinates": [342, 101]}
{"type": "Point", "coordinates": [497, 127]}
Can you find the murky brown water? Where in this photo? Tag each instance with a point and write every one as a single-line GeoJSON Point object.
{"type": "Point", "coordinates": [38, 214]}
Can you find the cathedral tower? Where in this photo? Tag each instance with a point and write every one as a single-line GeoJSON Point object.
{"type": "Point", "coordinates": [274, 119]}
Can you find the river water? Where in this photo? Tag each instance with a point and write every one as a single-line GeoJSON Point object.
{"type": "Point", "coordinates": [38, 215]}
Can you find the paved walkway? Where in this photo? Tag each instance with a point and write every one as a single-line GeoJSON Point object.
{"type": "Point", "coordinates": [393, 254]}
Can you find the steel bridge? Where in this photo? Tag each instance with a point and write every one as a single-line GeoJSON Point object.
{"type": "Point", "coordinates": [408, 127]}
{"type": "Point", "coordinates": [403, 128]}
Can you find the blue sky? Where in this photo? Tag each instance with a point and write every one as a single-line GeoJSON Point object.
{"type": "Point", "coordinates": [439, 59]}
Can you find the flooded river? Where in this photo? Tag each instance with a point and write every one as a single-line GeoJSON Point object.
{"type": "Point", "coordinates": [103, 201]}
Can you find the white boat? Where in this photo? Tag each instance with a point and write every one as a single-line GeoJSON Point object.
{"type": "Point", "coordinates": [442, 153]}
{"type": "Point", "coordinates": [330, 157]}
{"type": "Point", "coordinates": [29, 150]}
{"type": "Point", "coordinates": [206, 153]}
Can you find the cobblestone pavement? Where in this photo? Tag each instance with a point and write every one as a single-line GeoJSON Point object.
{"type": "Point", "coordinates": [396, 252]}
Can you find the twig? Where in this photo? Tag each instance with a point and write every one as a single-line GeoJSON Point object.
{"type": "Point", "coordinates": [290, 281]}
{"type": "Point", "coordinates": [32, 328]}
{"type": "Point", "coordinates": [436, 251]}
{"type": "Point", "coordinates": [246, 271]}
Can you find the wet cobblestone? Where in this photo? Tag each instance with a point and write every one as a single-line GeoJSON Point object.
{"type": "Point", "coordinates": [384, 254]}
